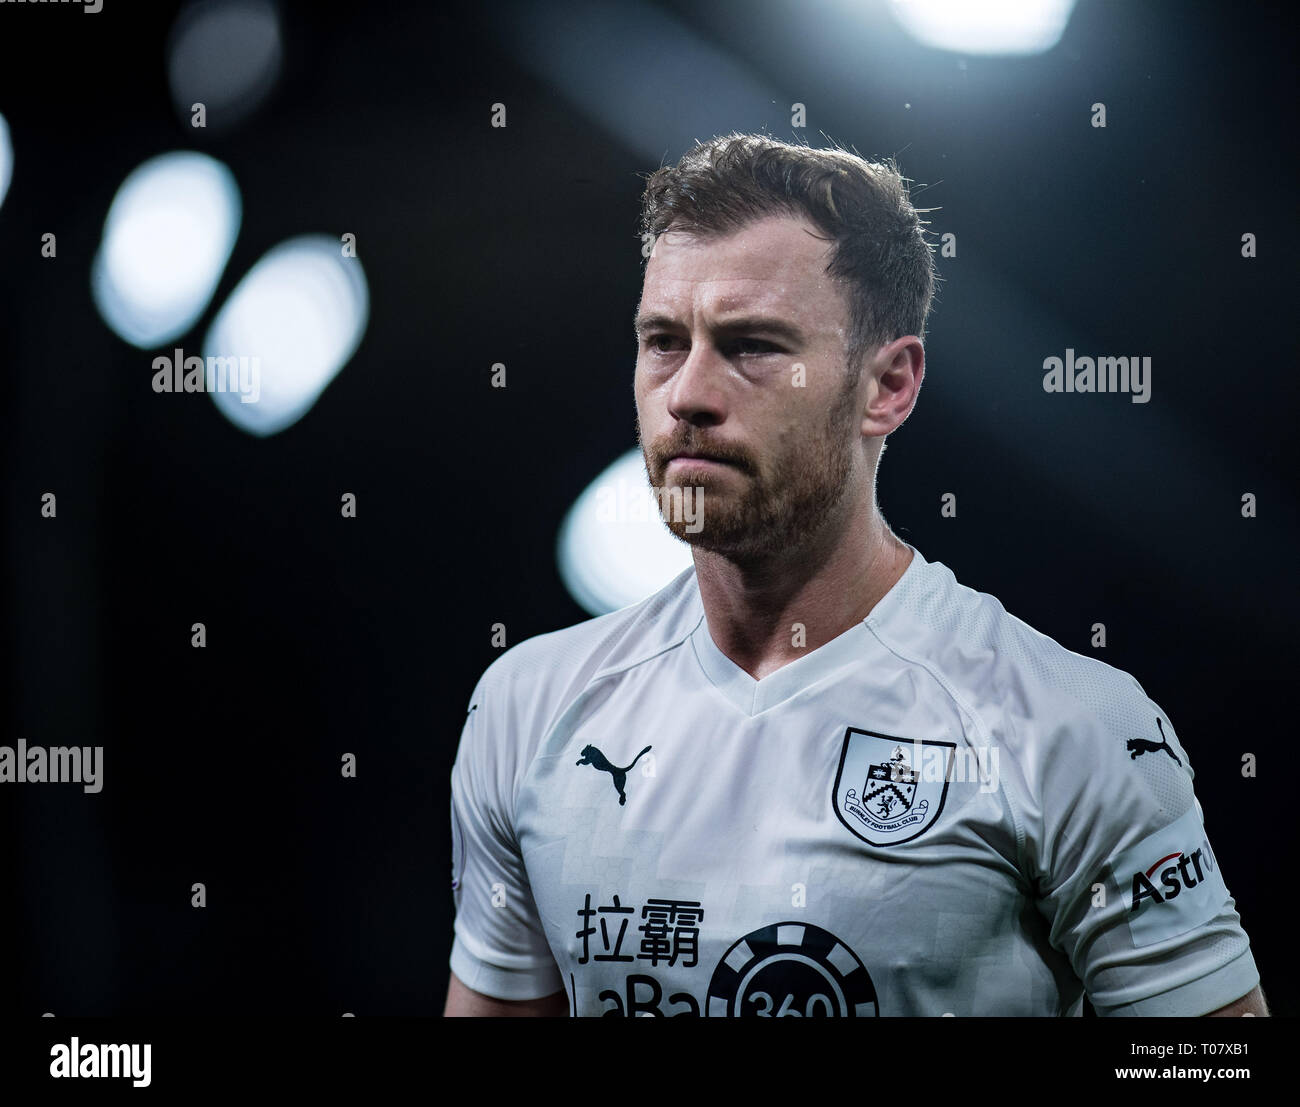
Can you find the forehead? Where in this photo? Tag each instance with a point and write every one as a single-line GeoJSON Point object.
{"type": "Point", "coordinates": [777, 263]}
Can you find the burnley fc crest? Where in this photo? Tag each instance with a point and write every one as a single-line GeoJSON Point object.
{"type": "Point", "coordinates": [890, 790]}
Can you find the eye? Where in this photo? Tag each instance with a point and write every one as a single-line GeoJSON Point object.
{"type": "Point", "coordinates": [768, 347]}
{"type": "Point", "coordinates": [653, 341]}
{"type": "Point", "coordinates": [743, 346]}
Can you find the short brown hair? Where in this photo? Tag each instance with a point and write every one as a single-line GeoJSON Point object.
{"type": "Point", "coordinates": [880, 255]}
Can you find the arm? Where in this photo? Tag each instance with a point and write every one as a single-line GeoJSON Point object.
{"type": "Point", "coordinates": [1133, 891]}
{"type": "Point", "coordinates": [463, 1002]}
{"type": "Point", "coordinates": [1252, 1003]}
{"type": "Point", "coordinates": [500, 960]}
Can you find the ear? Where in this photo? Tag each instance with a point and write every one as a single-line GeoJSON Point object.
{"type": "Point", "coordinates": [895, 373]}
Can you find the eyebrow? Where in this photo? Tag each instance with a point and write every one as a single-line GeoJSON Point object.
{"type": "Point", "coordinates": [764, 324]}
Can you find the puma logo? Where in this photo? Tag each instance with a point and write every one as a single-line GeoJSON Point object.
{"type": "Point", "coordinates": [593, 757]}
{"type": "Point", "coordinates": [1139, 746]}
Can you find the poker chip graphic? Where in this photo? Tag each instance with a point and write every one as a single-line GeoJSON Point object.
{"type": "Point", "coordinates": [790, 969]}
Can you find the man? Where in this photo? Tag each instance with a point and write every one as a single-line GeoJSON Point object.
{"type": "Point", "coordinates": [815, 775]}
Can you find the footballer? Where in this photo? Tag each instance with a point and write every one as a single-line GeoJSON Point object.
{"type": "Point", "coordinates": [815, 775]}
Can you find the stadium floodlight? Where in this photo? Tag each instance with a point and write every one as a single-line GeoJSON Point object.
{"type": "Point", "coordinates": [6, 159]}
{"type": "Point", "coordinates": [613, 547]}
{"type": "Point", "coordinates": [225, 55]}
{"type": "Point", "coordinates": [297, 318]}
{"type": "Point", "coordinates": [985, 26]}
{"type": "Point", "coordinates": [168, 235]}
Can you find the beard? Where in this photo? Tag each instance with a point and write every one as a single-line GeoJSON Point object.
{"type": "Point", "coordinates": [756, 510]}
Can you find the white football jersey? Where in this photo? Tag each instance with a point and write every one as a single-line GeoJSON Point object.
{"type": "Point", "coordinates": [941, 811]}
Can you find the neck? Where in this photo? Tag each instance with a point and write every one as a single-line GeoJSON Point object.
{"type": "Point", "coordinates": [826, 585]}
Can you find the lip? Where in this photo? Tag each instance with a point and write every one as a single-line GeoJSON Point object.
{"type": "Point", "coordinates": [697, 462]}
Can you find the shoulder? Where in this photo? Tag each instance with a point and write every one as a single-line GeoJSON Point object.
{"type": "Point", "coordinates": [1016, 680]}
{"type": "Point", "coordinates": [1078, 743]}
{"type": "Point", "coordinates": [534, 681]}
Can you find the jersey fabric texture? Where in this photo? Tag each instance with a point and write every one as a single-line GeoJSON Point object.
{"type": "Point", "coordinates": [941, 811]}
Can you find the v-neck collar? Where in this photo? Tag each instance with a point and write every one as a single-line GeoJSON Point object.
{"type": "Point", "coordinates": [754, 696]}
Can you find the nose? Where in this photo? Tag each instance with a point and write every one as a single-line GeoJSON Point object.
{"type": "Point", "coordinates": [698, 392]}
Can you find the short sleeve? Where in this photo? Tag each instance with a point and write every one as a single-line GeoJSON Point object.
{"type": "Point", "coordinates": [1128, 882]}
{"type": "Point", "coordinates": [499, 948]}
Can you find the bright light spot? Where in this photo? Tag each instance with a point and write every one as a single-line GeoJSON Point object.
{"type": "Point", "coordinates": [985, 26]}
{"type": "Point", "coordinates": [300, 311]}
{"type": "Point", "coordinates": [167, 238]}
{"type": "Point", "coordinates": [614, 549]}
{"type": "Point", "coordinates": [6, 159]}
{"type": "Point", "coordinates": [224, 54]}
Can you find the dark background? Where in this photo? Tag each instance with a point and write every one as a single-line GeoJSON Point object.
{"type": "Point", "coordinates": [519, 245]}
